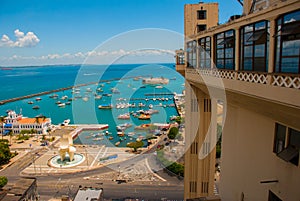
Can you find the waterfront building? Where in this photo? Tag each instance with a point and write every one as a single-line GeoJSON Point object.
{"type": "Point", "coordinates": [250, 66]}
{"type": "Point", "coordinates": [16, 123]}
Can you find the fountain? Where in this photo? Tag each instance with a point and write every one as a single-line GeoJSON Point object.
{"type": "Point", "coordinates": [67, 156]}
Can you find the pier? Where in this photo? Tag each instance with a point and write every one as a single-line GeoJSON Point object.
{"type": "Point", "coordinates": [2, 102]}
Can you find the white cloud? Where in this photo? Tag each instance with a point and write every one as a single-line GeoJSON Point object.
{"type": "Point", "coordinates": [22, 40]}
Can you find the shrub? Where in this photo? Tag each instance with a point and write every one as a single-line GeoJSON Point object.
{"type": "Point", "coordinates": [3, 181]}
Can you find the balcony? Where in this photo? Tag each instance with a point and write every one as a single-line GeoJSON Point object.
{"type": "Point", "coordinates": [280, 88]}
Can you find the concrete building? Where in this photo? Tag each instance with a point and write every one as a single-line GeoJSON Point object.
{"type": "Point", "coordinates": [16, 123]}
{"type": "Point", "coordinates": [251, 66]}
{"type": "Point", "coordinates": [200, 17]}
{"type": "Point", "coordinates": [25, 189]}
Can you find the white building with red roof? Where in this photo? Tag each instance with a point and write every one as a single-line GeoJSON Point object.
{"type": "Point", "coordinates": [16, 123]}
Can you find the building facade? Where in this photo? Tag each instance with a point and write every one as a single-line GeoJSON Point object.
{"type": "Point", "coordinates": [251, 65]}
{"type": "Point", "coordinates": [15, 123]}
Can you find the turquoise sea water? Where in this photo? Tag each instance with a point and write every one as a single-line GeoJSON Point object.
{"type": "Point", "coordinates": [84, 107]}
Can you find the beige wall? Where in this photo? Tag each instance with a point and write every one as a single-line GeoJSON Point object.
{"type": "Point", "coordinates": [248, 158]}
{"type": "Point", "coordinates": [190, 17]}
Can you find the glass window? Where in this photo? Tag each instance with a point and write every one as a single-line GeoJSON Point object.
{"type": "Point", "coordinates": [201, 14]}
{"type": "Point", "coordinates": [288, 43]}
{"type": "Point", "coordinates": [287, 144]}
{"type": "Point", "coordinates": [201, 27]}
{"type": "Point", "coordinates": [204, 52]}
{"type": "Point", "coordinates": [225, 47]}
{"type": "Point", "coordinates": [254, 44]}
{"type": "Point", "coordinates": [191, 53]}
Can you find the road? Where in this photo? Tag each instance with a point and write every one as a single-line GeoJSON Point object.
{"type": "Point", "coordinates": [156, 186]}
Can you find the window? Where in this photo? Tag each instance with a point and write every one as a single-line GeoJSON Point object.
{"type": "Point", "coordinates": [225, 47]}
{"type": "Point", "coordinates": [204, 52]}
{"type": "Point", "coordinates": [201, 14]}
{"type": "Point", "coordinates": [288, 43]}
{"type": "Point", "coordinates": [273, 197]}
{"type": "Point", "coordinates": [193, 186]}
{"type": "Point", "coordinates": [287, 144]}
{"type": "Point", "coordinates": [191, 54]}
{"type": "Point", "coordinates": [180, 58]}
{"type": "Point", "coordinates": [201, 27]}
{"type": "Point", "coordinates": [254, 46]}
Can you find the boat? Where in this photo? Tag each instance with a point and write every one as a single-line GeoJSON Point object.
{"type": "Point", "coordinates": [141, 104]}
{"type": "Point", "coordinates": [130, 134]}
{"type": "Point", "coordinates": [88, 89]}
{"type": "Point", "coordinates": [99, 90]}
{"type": "Point", "coordinates": [85, 99]}
{"type": "Point", "coordinates": [66, 122]}
{"type": "Point", "coordinates": [121, 134]}
{"type": "Point", "coordinates": [144, 117]}
{"type": "Point", "coordinates": [124, 116]}
{"type": "Point", "coordinates": [61, 105]}
{"type": "Point", "coordinates": [108, 95]}
{"type": "Point", "coordinates": [98, 139]}
{"type": "Point", "coordinates": [64, 97]}
{"type": "Point", "coordinates": [115, 91]}
{"type": "Point", "coordinates": [143, 126]}
{"type": "Point", "coordinates": [150, 106]}
{"type": "Point", "coordinates": [158, 80]}
{"type": "Point", "coordinates": [98, 97]}
{"type": "Point", "coordinates": [38, 99]}
{"type": "Point", "coordinates": [105, 106]}
{"type": "Point", "coordinates": [30, 102]}
{"type": "Point", "coordinates": [68, 103]}
{"type": "Point", "coordinates": [111, 138]}
{"type": "Point", "coordinates": [159, 87]}
{"type": "Point", "coordinates": [36, 107]}
{"type": "Point", "coordinates": [122, 127]}
{"type": "Point", "coordinates": [53, 96]}
{"type": "Point", "coordinates": [117, 143]}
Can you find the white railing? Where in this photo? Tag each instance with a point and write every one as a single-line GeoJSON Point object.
{"type": "Point", "coordinates": [286, 81]}
{"type": "Point", "coordinates": [280, 80]}
{"type": "Point", "coordinates": [253, 77]}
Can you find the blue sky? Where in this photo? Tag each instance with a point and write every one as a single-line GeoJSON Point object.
{"type": "Point", "coordinates": [37, 32]}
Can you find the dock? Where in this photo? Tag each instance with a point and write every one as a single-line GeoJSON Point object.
{"type": "Point", "coordinates": [2, 102]}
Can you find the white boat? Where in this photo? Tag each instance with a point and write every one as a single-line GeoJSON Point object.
{"type": "Point", "coordinates": [117, 143]}
{"type": "Point", "coordinates": [38, 99]}
{"type": "Point", "coordinates": [66, 122]}
{"type": "Point", "coordinates": [64, 97]}
{"type": "Point", "coordinates": [85, 98]}
{"type": "Point", "coordinates": [61, 105]}
{"type": "Point", "coordinates": [150, 106]}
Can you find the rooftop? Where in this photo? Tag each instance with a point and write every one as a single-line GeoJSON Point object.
{"type": "Point", "coordinates": [33, 120]}
{"type": "Point", "coordinates": [88, 194]}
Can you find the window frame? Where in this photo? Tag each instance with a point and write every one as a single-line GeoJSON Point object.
{"type": "Point", "coordinates": [282, 37]}
{"type": "Point", "coordinates": [222, 41]}
{"type": "Point", "coordinates": [199, 14]}
{"type": "Point", "coordinates": [289, 152]}
{"type": "Point", "coordinates": [255, 34]}
{"type": "Point", "coordinates": [191, 54]}
{"type": "Point", "coordinates": [204, 52]}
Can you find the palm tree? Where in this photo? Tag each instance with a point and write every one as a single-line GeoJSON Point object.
{"type": "Point", "coordinates": [2, 122]}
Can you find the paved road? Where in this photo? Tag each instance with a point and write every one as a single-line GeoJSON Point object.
{"type": "Point", "coordinates": [138, 168]}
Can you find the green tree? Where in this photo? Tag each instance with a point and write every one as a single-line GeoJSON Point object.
{"type": "Point", "coordinates": [178, 120]}
{"type": "Point", "coordinates": [135, 145]}
{"type": "Point", "coordinates": [173, 132]}
{"type": "Point", "coordinates": [5, 154]}
{"type": "Point", "coordinates": [3, 181]}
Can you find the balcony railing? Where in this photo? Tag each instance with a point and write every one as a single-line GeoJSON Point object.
{"type": "Point", "coordinates": [280, 80]}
